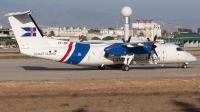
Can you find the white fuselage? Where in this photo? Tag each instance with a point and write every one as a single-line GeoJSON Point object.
{"type": "Point", "coordinates": [95, 55]}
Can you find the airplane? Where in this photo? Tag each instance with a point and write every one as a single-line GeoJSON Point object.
{"type": "Point", "coordinates": [117, 55]}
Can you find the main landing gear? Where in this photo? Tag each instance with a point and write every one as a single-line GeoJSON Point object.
{"type": "Point", "coordinates": [101, 67]}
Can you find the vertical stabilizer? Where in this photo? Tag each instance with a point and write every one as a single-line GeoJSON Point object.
{"type": "Point", "coordinates": [27, 33]}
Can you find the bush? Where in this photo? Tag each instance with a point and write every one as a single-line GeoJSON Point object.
{"type": "Point", "coordinates": [96, 38]}
{"type": "Point", "coordinates": [108, 38]}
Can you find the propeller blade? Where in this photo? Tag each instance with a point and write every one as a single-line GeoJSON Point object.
{"type": "Point", "coordinates": [148, 39]}
{"type": "Point", "coordinates": [178, 42]}
{"type": "Point", "coordinates": [129, 39]}
{"type": "Point", "coordinates": [154, 46]}
{"type": "Point", "coordinates": [155, 38]}
{"type": "Point", "coordinates": [179, 39]}
{"type": "Point", "coordinates": [123, 40]}
{"type": "Point", "coordinates": [155, 52]}
{"type": "Point", "coordinates": [149, 56]}
{"type": "Point", "coordinates": [153, 49]}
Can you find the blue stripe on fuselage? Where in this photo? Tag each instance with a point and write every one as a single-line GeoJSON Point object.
{"type": "Point", "coordinates": [79, 53]}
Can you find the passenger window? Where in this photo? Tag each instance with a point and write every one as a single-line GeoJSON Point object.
{"type": "Point", "coordinates": [179, 49]}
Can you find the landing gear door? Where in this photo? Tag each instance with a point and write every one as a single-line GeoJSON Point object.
{"type": "Point", "coordinates": [163, 55]}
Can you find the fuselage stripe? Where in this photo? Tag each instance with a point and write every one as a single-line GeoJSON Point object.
{"type": "Point", "coordinates": [67, 53]}
{"type": "Point", "coordinates": [79, 53]}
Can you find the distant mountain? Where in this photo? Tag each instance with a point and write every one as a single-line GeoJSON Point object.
{"type": "Point", "coordinates": [77, 18]}
{"type": "Point", "coordinates": [46, 16]}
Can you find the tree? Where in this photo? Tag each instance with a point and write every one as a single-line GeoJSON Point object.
{"type": "Point", "coordinates": [174, 34]}
{"type": "Point", "coordinates": [83, 40]}
{"type": "Point", "coordinates": [8, 42]}
{"type": "Point", "coordinates": [185, 30]}
{"type": "Point", "coordinates": [164, 33]}
{"type": "Point", "coordinates": [108, 38]}
{"type": "Point", "coordinates": [110, 28]}
{"type": "Point", "coordinates": [96, 38]}
{"type": "Point", "coordinates": [159, 37]}
{"type": "Point", "coordinates": [51, 33]}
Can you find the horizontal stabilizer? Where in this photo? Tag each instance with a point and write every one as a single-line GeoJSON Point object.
{"type": "Point", "coordinates": [18, 13]}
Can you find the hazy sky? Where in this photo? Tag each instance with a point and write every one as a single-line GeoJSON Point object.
{"type": "Point", "coordinates": [114, 6]}
{"type": "Point", "coordinates": [168, 10]}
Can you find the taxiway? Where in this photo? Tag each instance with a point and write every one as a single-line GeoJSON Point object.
{"type": "Point", "coordinates": [40, 69]}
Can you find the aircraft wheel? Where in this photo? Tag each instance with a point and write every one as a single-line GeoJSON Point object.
{"type": "Point", "coordinates": [101, 67]}
{"type": "Point", "coordinates": [125, 68]}
{"type": "Point", "coordinates": [184, 66]}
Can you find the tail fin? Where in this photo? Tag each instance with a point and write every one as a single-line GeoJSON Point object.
{"type": "Point", "coordinates": [27, 33]}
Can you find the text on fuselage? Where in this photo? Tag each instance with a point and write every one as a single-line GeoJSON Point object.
{"type": "Point", "coordinates": [44, 53]}
{"type": "Point", "coordinates": [135, 59]}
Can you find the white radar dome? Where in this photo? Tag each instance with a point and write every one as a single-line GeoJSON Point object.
{"type": "Point", "coordinates": [126, 11]}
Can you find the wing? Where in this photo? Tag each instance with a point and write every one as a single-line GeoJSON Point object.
{"type": "Point", "coordinates": [136, 44]}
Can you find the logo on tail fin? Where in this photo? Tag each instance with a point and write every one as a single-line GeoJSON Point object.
{"type": "Point", "coordinates": [29, 31]}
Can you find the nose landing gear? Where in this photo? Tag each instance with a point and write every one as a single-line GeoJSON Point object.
{"type": "Point", "coordinates": [125, 68]}
{"type": "Point", "coordinates": [184, 66]}
{"type": "Point", "coordinates": [127, 61]}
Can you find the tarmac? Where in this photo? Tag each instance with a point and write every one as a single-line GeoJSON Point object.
{"type": "Point", "coordinates": [40, 69]}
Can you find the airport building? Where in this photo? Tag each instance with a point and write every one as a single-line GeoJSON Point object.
{"type": "Point", "coordinates": [117, 33]}
{"type": "Point", "coordinates": [140, 30]}
{"type": "Point", "coordinates": [5, 34]}
{"type": "Point", "coordinates": [186, 39]}
{"type": "Point", "coordinates": [70, 34]}
{"type": "Point", "coordinates": [143, 29]}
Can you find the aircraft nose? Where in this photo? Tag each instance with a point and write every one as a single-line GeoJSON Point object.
{"type": "Point", "coordinates": [192, 58]}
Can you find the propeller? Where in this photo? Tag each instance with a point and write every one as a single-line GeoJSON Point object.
{"type": "Point", "coordinates": [153, 47]}
{"type": "Point", "coordinates": [129, 39]}
{"type": "Point", "coordinates": [178, 42]}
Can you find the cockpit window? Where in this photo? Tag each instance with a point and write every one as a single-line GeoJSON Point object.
{"type": "Point", "coordinates": [179, 49]}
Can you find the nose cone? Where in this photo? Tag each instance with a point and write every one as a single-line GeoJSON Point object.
{"type": "Point", "coordinates": [192, 58]}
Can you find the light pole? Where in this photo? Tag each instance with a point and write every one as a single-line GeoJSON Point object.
{"type": "Point", "coordinates": [168, 32]}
